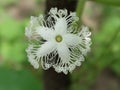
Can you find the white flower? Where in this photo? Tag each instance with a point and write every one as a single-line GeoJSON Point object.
{"type": "Point", "coordinates": [56, 42]}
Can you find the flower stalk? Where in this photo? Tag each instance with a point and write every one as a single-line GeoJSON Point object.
{"type": "Point", "coordinates": [79, 9]}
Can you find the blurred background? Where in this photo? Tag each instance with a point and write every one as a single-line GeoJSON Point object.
{"type": "Point", "coordinates": [100, 71]}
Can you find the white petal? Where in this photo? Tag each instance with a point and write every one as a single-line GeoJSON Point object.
{"type": "Point", "coordinates": [72, 40]}
{"type": "Point", "coordinates": [53, 11]}
{"type": "Point", "coordinates": [46, 48]}
{"type": "Point", "coordinates": [33, 62]}
{"type": "Point", "coordinates": [28, 32]}
{"type": "Point", "coordinates": [85, 32]}
{"type": "Point", "coordinates": [61, 25]}
{"type": "Point", "coordinates": [45, 65]}
{"type": "Point", "coordinates": [85, 35]}
{"type": "Point", "coordinates": [60, 69]}
{"type": "Point", "coordinates": [33, 21]}
{"type": "Point", "coordinates": [63, 52]}
{"type": "Point", "coordinates": [31, 57]}
{"type": "Point", "coordinates": [45, 33]}
{"type": "Point", "coordinates": [86, 41]}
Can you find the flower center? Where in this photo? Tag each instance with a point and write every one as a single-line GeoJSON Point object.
{"type": "Point", "coordinates": [58, 38]}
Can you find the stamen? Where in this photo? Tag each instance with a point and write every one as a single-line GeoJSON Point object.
{"type": "Point", "coordinates": [58, 38]}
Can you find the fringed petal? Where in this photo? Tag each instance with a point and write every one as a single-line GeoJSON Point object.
{"type": "Point", "coordinates": [46, 48]}
{"type": "Point", "coordinates": [86, 41]}
{"type": "Point", "coordinates": [31, 57]}
{"type": "Point", "coordinates": [72, 39]}
{"type": "Point", "coordinates": [63, 20]}
{"type": "Point", "coordinates": [45, 32]}
{"type": "Point", "coordinates": [61, 26]}
{"type": "Point", "coordinates": [63, 52]}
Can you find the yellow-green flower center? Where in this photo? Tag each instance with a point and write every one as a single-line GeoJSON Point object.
{"type": "Point", "coordinates": [58, 38]}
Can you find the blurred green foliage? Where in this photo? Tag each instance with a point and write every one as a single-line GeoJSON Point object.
{"type": "Point", "coordinates": [18, 80]}
{"type": "Point", "coordinates": [105, 51]}
{"type": "Point", "coordinates": [13, 43]}
{"type": "Point", "coordinates": [109, 2]}
{"type": "Point", "coordinates": [14, 73]}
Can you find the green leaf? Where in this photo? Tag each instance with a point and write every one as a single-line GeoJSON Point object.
{"type": "Point", "coordinates": [107, 43]}
{"type": "Point", "coordinates": [116, 67]}
{"type": "Point", "coordinates": [116, 52]}
{"type": "Point", "coordinates": [14, 51]}
{"type": "Point", "coordinates": [12, 47]}
{"type": "Point", "coordinates": [18, 80]}
{"type": "Point", "coordinates": [109, 2]}
{"type": "Point", "coordinates": [10, 29]}
{"type": "Point", "coordinates": [18, 54]}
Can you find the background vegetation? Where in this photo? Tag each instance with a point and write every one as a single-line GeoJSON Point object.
{"type": "Point", "coordinates": [100, 71]}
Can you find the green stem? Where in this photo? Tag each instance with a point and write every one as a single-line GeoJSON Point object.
{"type": "Point", "coordinates": [108, 2]}
{"type": "Point", "coordinates": [79, 9]}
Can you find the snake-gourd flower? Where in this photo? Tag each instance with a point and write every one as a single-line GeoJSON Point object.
{"type": "Point", "coordinates": [56, 41]}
